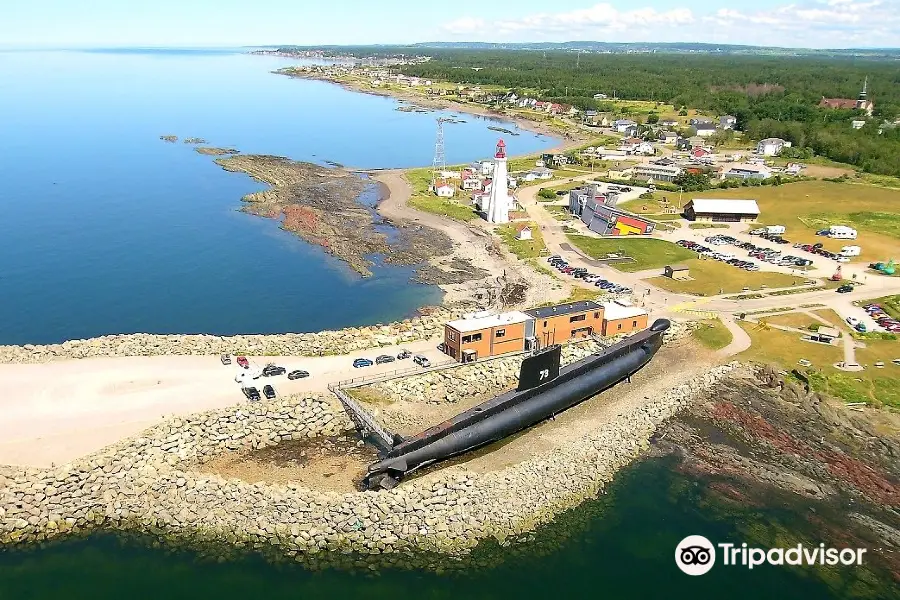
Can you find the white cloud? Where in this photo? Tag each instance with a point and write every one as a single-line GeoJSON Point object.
{"type": "Point", "coordinates": [813, 23]}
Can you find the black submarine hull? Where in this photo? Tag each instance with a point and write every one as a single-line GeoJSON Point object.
{"type": "Point", "coordinates": [509, 413]}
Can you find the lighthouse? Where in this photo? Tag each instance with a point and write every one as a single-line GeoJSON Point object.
{"type": "Point", "coordinates": [498, 205]}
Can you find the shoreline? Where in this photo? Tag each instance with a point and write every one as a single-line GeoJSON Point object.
{"type": "Point", "coordinates": [566, 140]}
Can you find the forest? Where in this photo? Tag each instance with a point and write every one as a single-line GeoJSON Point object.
{"type": "Point", "coordinates": [770, 96]}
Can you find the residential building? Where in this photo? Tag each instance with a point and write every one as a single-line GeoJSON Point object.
{"type": "Point", "coordinates": [657, 172]}
{"type": "Point", "coordinates": [727, 122]}
{"type": "Point", "coordinates": [482, 167]}
{"type": "Point", "coordinates": [444, 189]}
{"type": "Point", "coordinates": [682, 144]}
{"type": "Point", "coordinates": [621, 317]}
{"type": "Point", "coordinates": [747, 171]}
{"type": "Point", "coordinates": [705, 130]}
{"type": "Point", "coordinates": [541, 173]}
{"type": "Point", "coordinates": [669, 122]}
{"type": "Point", "coordinates": [563, 322]}
{"type": "Point", "coordinates": [667, 137]}
{"type": "Point", "coordinates": [624, 173]}
{"type": "Point", "coordinates": [555, 159]}
{"type": "Point", "coordinates": [621, 125]}
{"type": "Point", "coordinates": [470, 183]}
{"type": "Point", "coordinates": [484, 334]}
{"type": "Point", "coordinates": [600, 96]}
{"type": "Point", "coordinates": [721, 211]}
{"type": "Point", "coordinates": [771, 146]}
{"type": "Point", "coordinates": [699, 121]}
{"type": "Point", "coordinates": [523, 232]}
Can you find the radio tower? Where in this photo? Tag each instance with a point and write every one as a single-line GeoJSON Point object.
{"type": "Point", "coordinates": [440, 162]}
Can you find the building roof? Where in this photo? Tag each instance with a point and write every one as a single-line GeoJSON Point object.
{"type": "Point", "coordinates": [484, 320]}
{"type": "Point", "coordinates": [704, 125]}
{"type": "Point", "coordinates": [772, 141]}
{"type": "Point", "coordinates": [563, 309]}
{"type": "Point", "coordinates": [750, 168]}
{"type": "Point", "coordinates": [828, 332]}
{"type": "Point", "coordinates": [678, 267]}
{"type": "Point", "coordinates": [613, 311]}
{"type": "Point", "coordinates": [838, 102]}
{"type": "Point", "coordinates": [733, 206]}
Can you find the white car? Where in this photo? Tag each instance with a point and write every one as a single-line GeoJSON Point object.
{"type": "Point", "coordinates": [842, 259]}
{"type": "Point", "coordinates": [852, 321]}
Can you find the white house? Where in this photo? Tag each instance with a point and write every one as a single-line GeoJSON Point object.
{"type": "Point", "coordinates": [621, 125]}
{"type": "Point", "coordinates": [484, 167]}
{"type": "Point", "coordinates": [524, 232]}
{"type": "Point", "coordinates": [541, 173]}
{"type": "Point", "coordinates": [600, 96]}
{"type": "Point", "coordinates": [727, 122]}
{"type": "Point", "coordinates": [667, 137]}
{"type": "Point", "coordinates": [644, 148]}
{"type": "Point", "coordinates": [746, 171]}
{"type": "Point", "coordinates": [771, 146]}
{"type": "Point", "coordinates": [450, 175]}
{"type": "Point", "coordinates": [444, 190]}
{"type": "Point", "coordinates": [705, 129]}
{"type": "Point", "coordinates": [669, 122]}
{"type": "Point", "coordinates": [471, 183]}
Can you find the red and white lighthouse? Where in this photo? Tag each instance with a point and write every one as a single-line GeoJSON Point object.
{"type": "Point", "coordinates": [499, 202]}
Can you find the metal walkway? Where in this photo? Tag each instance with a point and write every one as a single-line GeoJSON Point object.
{"type": "Point", "coordinates": [364, 421]}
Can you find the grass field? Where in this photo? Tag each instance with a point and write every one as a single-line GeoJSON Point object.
{"type": "Point", "coordinates": [711, 277]}
{"type": "Point", "coordinates": [647, 253]}
{"type": "Point", "coordinates": [422, 199]}
{"type": "Point", "coordinates": [874, 385]}
{"type": "Point", "coordinates": [523, 249]}
{"type": "Point", "coordinates": [560, 213]}
{"type": "Point", "coordinates": [789, 205]}
{"type": "Point", "coordinates": [792, 319]}
{"type": "Point", "coordinates": [712, 334]}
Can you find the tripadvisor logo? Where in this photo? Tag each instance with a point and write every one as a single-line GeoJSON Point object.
{"type": "Point", "coordinates": [696, 555]}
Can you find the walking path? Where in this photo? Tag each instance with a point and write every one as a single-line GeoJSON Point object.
{"type": "Point", "coordinates": [740, 341]}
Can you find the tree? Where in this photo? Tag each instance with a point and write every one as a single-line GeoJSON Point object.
{"type": "Point", "coordinates": [547, 193]}
{"type": "Point", "coordinates": [721, 136]}
{"type": "Point", "coordinates": [692, 182]}
{"type": "Point", "coordinates": [653, 118]}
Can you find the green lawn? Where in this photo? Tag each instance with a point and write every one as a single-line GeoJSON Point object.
{"type": "Point", "coordinates": [647, 253]}
{"type": "Point", "coordinates": [560, 213]}
{"type": "Point", "coordinates": [711, 277]}
{"type": "Point", "coordinates": [712, 334]}
{"type": "Point", "coordinates": [422, 199]}
{"type": "Point", "coordinates": [523, 249]}
{"type": "Point", "coordinates": [878, 386]}
{"type": "Point", "coordinates": [879, 222]}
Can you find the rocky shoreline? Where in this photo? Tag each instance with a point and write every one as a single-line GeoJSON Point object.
{"type": "Point", "coordinates": [429, 324]}
{"type": "Point", "coordinates": [149, 484]}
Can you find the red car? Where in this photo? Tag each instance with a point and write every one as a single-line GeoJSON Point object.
{"type": "Point", "coordinates": [243, 362]}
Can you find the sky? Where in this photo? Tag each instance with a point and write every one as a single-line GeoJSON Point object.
{"type": "Point", "coordinates": [114, 23]}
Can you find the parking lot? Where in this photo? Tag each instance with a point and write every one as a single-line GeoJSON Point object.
{"type": "Point", "coordinates": [586, 276]}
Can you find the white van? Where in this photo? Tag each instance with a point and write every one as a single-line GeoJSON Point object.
{"type": "Point", "coordinates": [850, 251]}
{"type": "Point", "coordinates": [774, 229]}
{"type": "Point", "coordinates": [841, 232]}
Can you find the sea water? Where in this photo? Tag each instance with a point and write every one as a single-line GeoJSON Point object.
{"type": "Point", "coordinates": [107, 229]}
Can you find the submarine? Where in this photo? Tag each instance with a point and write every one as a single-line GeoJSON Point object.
{"type": "Point", "coordinates": [544, 391]}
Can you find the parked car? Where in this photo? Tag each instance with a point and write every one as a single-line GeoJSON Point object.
{"type": "Point", "coordinates": [268, 392]}
{"type": "Point", "coordinates": [852, 321]}
{"type": "Point", "coordinates": [251, 392]}
{"type": "Point", "coordinates": [421, 361]}
{"type": "Point", "coordinates": [844, 289]}
{"type": "Point", "coordinates": [243, 362]}
{"type": "Point", "coordinates": [226, 359]}
{"type": "Point", "coordinates": [861, 327]}
{"type": "Point", "coordinates": [362, 362]}
{"type": "Point", "coordinates": [298, 374]}
{"type": "Point", "coordinates": [404, 354]}
{"type": "Point", "coordinates": [273, 370]}
{"type": "Point", "coordinates": [384, 358]}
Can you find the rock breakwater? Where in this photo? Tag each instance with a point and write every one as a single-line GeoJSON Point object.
{"type": "Point", "coordinates": [146, 485]}
{"type": "Point", "coordinates": [429, 325]}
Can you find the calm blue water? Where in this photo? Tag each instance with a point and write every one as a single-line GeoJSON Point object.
{"type": "Point", "coordinates": [107, 229]}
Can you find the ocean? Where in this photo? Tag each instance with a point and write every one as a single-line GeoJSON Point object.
{"type": "Point", "coordinates": [619, 546]}
{"type": "Point", "coordinates": [107, 229]}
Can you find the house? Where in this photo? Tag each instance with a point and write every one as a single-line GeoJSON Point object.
{"type": "Point", "coordinates": [705, 130]}
{"type": "Point", "coordinates": [665, 161]}
{"type": "Point", "coordinates": [747, 171]}
{"type": "Point", "coordinates": [444, 189]}
{"type": "Point", "coordinates": [857, 124]}
{"type": "Point", "coordinates": [657, 173]}
{"type": "Point", "coordinates": [721, 211]}
{"type": "Point", "coordinates": [450, 175]}
{"type": "Point", "coordinates": [630, 131]}
{"type": "Point", "coordinates": [771, 146]}
{"type": "Point", "coordinates": [620, 173]}
{"type": "Point", "coordinates": [699, 153]}
{"type": "Point", "coordinates": [600, 96]}
{"type": "Point", "coordinates": [482, 167]}
{"type": "Point", "coordinates": [727, 122]}
{"type": "Point", "coordinates": [680, 272]}
{"type": "Point", "coordinates": [825, 335]}
{"type": "Point", "coordinates": [669, 123]}
{"type": "Point", "coordinates": [523, 232]}
{"type": "Point", "coordinates": [793, 168]}
{"type": "Point", "coordinates": [541, 173]}
{"type": "Point", "coordinates": [667, 137]}
{"type": "Point", "coordinates": [629, 144]}
{"type": "Point", "coordinates": [621, 125]}
{"type": "Point", "coordinates": [470, 183]}
{"type": "Point", "coordinates": [700, 121]}
{"type": "Point", "coordinates": [683, 144]}
{"type": "Point", "coordinates": [645, 148]}
{"type": "Point", "coordinates": [555, 159]}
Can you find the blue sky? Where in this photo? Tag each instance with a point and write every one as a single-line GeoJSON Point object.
{"type": "Point", "coordinates": [812, 23]}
